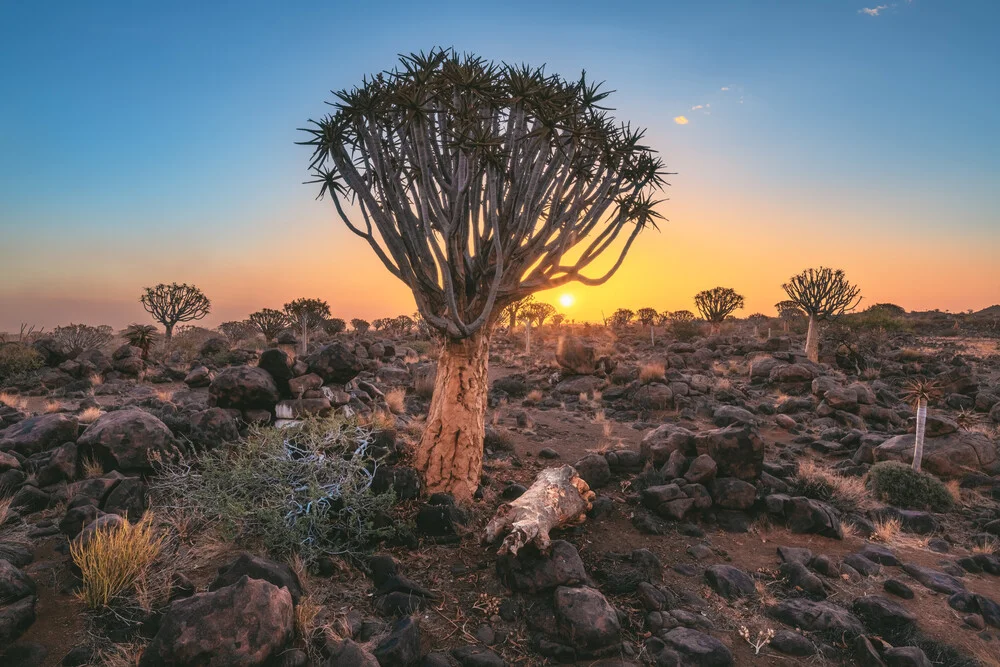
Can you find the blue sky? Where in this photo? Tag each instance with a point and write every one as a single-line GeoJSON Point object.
{"type": "Point", "coordinates": [145, 142]}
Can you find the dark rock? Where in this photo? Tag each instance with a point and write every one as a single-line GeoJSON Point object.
{"type": "Point", "coordinates": [38, 434]}
{"type": "Point", "coordinates": [127, 440]}
{"type": "Point", "coordinates": [906, 656]}
{"type": "Point", "coordinates": [245, 623]}
{"type": "Point", "coordinates": [862, 565]}
{"type": "Point", "coordinates": [738, 450]}
{"type": "Point", "coordinates": [798, 576]}
{"type": "Point", "coordinates": [244, 388]}
{"type": "Point", "coordinates": [792, 643]}
{"type": "Point", "coordinates": [402, 646]}
{"type": "Point", "coordinates": [255, 567]}
{"type": "Point", "coordinates": [586, 618]}
{"type": "Point", "coordinates": [729, 582]}
{"type": "Point", "coordinates": [336, 364]}
{"type": "Point", "coordinates": [934, 580]}
{"type": "Point", "coordinates": [698, 648]}
{"type": "Point", "coordinates": [731, 493]}
{"type": "Point", "coordinates": [532, 572]}
{"type": "Point", "coordinates": [898, 588]}
{"type": "Point", "coordinates": [594, 470]}
{"type": "Point", "coordinates": [816, 616]}
{"type": "Point", "coordinates": [883, 616]}
{"type": "Point", "coordinates": [476, 656]}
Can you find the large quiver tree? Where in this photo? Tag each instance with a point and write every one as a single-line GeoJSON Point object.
{"type": "Point", "coordinates": [822, 294]}
{"type": "Point", "coordinates": [477, 184]}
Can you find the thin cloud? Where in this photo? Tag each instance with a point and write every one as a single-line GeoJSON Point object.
{"type": "Point", "coordinates": [681, 120]}
{"type": "Point", "coordinates": [725, 88]}
{"type": "Point", "coordinates": [873, 11]}
{"type": "Point", "coordinates": [700, 106]}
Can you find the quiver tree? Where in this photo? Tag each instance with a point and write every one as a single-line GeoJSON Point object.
{"type": "Point", "coordinates": [534, 314]}
{"type": "Point", "coordinates": [307, 314]}
{"type": "Point", "coordinates": [237, 330]}
{"type": "Point", "coordinates": [716, 304]}
{"type": "Point", "coordinates": [268, 322]}
{"type": "Point", "coordinates": [621, 318]}
{"type": "Point", "coordinates": [648, 317]}
{"type": "Point", "coordinates": [478, 184]}
{"type": "Point", "coordinates": [755, 321]}
{"type": "Point", "coordinates": [359, 325]}
{"type": "Point", "coordinates": [822, 294]}
{"type": "Point", "coordinates": [173, 303]}
{"type": "Point", "coordinates": [788, 311]}
{"type": "Point", "coordinates": [919, 393]}
{"type": "Point", "coordinates": [334, 326]}
{"type": "Point", "coordinates": [512, 312]}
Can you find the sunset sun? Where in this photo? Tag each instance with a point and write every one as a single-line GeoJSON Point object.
{"type": "Point", "coordinates": [566, 300]}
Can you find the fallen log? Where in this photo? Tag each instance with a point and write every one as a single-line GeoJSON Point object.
{"type": "Point", "coordinates": [558, 497]}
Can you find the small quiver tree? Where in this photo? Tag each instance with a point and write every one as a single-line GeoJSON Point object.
{"type": "Point", "coordinates": [822, 294]}
{"type": "Point", "coordinates": [173, 303]}
{"type": "Point", "coordinates": [647, 317]}
{"type": "Point", "coordinates": [788, 311]}
{"type": "Point", "coordinates": [716, 304]}
{"type": "Point", "coordinates": [477, 184]}
{"type": "Point", "coordinates": [534, 315]}
{"type": "Point", "coordinates": [269, 322]}
{"type": "Point", "coordinates": [307, 314]}
{"type": "Point", "coordinates": [920, 393]}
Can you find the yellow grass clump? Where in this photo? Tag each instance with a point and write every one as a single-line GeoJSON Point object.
{"type": "Point", "coordinates": [52, 407]}
{"type": "Point", "coordinates": [887, 530]}
{"type": "Point", "coordinates": [114, 559]}
{"type": "Point", "coordinates": [535, 396]}
{"type": "Point", "coordinates": [13, 400]}
{"type": "Point", "coordinates": [92, 468]}
{"type": "Point", "coordinates": [652, 372]}
{"type": "Point", "coordinates": [89, 416]}
{"type": "Point", "coordinates": [395, 399]}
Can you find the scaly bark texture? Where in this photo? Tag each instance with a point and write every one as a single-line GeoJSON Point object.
{"type": "Point", "coordinates": [812, 341]}
{"type": "Point", "coordinates": [450, 454]}
{"type": "Point", "coordinates": [918, 446]}
{"type": "Point", "coordinates": [558, 497]}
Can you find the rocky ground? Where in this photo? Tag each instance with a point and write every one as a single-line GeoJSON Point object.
{"type": "Point", "coordinates": [732, 522]}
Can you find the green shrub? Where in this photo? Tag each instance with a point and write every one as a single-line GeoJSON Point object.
{"type": "Point", "coordinates": [898, 484]}
{"type": "Point", "coordinates": [685, 331]}
{"type": "Point", "coordinates": [302, 490]}
{"type": "Point", "coordinates": [18, 358]}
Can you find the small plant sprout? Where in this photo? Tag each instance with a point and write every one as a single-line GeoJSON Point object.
{"type": "Point", "coordinates": [918, 393]}
{"type": "Point", "coordinates": [763, 638]}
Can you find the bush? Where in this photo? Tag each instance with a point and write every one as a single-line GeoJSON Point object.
{"type": "Point", "coordinates": [114, 559]}
{"type": "Point", "coordinates": [900, 485]}
{"type": "Point", "coordinates": [685, 330]}
{"type": "Point", "coordinates": [18, 358]}
{"type": "Point", "coordinates": [302, 490]}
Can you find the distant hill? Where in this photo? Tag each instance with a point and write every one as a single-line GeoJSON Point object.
{"type": "Point", "coordinates": [992, 311]}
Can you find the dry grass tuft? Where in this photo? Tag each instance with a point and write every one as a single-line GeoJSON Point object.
{"type": "Point", "coordinates": [955, 490]}
{"type": "Point", "coordinates": [5, 511]}
{"type": "Point", "coordinates": [535, 396]}
{"type": "Point", "coordinates": [113, 560]}
{"type": "Point", "coordinates": [96, 379]}
{"type": "Point", "coordinates": [165, 395]}
{"type": "Point", "coordinates": [887, 530]}
{"type": "Point", "coordinates": [988, 546]}
{"type": "Point", "coordinates": [120, 655]}
{"type": "Point", "coordinates": [14, 400]}
{"type": "Point", "coordinates": [92, 468]}
{"type": "Point", "coordinates": [845, 492]}
{"type": "Point", "coordinates": [90, 415]}
{"type": "Point", "coordinates": [52, 407]}
{"type": "Point", "coordinates": [395, 399]}
{"type": "Point", "coordinates": [652, 372]}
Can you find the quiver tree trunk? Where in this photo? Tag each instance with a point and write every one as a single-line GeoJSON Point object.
{"type": "Point", "coordinates": [918, 445]}
{"type": "Point", "coordinates": [527, 337]}
{"type": "Point", "coordinates": [450, 454]}
{"type": "Point", "coordinates": [558, 497]}
{"type": "Point", "coordinates": [168, 332]}
{"type": "Point", "coordinates": [812, 340]}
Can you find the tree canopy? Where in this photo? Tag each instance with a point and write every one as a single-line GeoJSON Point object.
{"type": "Point", "coordinates": [479, 183]}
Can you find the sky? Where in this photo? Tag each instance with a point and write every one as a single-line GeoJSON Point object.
{"type": "Point", "coordinates": [150, 142]}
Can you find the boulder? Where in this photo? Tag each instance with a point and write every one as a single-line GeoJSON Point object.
{"type": "Point", "coordinates": [533, 572]}
{"type": "Point", "coordinates": [336, 364]}
{"type": "Point", "coordinates": [698, 648]}
{"type": "Point", "coordinates": [585, 618]}
{"type": "Point", "coordinates": [244, 388]}
{"type": "Point", "coordinates": [246, 623]}
{"type": "Point", "coordinates": [127, 440]}
{"type": "Point", "coordinates": [658, 444]}
{"type": "Point", "coordinates": [246, 564]}
{"type": "Point", "coordinates": [38, 434]}
{"type": "Point", "coordinates": [949, 455]}
{"type": "Point", "coordinates": [730, 582]}
{"type": "Point", "coordinates": [738, 450]}
{"type": "Point", "coordinates": [813, 616]}
{"type": "Point", "coordinates": [576, 357]}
